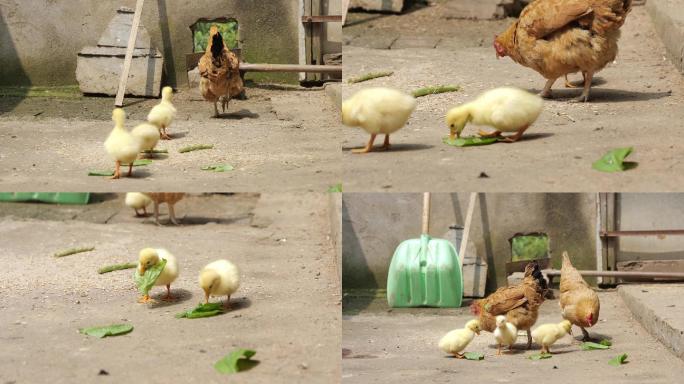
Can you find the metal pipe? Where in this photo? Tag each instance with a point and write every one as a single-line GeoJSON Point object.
{"type": "Point", "coordinates": [661, 275]}
{"type": "Point", "coordinates": [247, 67]}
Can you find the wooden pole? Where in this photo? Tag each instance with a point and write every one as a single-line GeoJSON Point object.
{"type": "Point", "coordinates": [245, 67]}
{"type": "Point", "coordinates": [466, 228]}
{"type": "Point", "coordinates": [129, 54]}
{"type": "Point", "coordinates": [426, 214]}
{"type": "Point", "coordinates": [653, 275]}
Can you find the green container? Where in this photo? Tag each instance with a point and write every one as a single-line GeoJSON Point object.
{"type": "Point", "coordinates": [425, 272]}
{"type": "Point", "coordinates": [45, 197]}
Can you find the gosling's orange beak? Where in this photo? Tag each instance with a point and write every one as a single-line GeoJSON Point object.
{"type": "Point", "coordinates": [141, 270]}
{"type": "Point", "coordinates": [206, 297]}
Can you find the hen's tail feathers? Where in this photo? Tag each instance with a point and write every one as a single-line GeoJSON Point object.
{"type": "Point", "coordinates": [539, 276]}
{"type": "Point", "coordinates": [566, 261]}
{"type": "Point", "coordinates": [217, 45]}
{"type": "Point", "coordinates": [610, 16]}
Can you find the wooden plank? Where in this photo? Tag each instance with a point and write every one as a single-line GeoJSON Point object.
{"type": "Point", "coordinates": [345, 10]}
{"type": "Point", "coordinates": [321, 19]}
{"type": "Point", "coordinates": [654, 232]}
{"type": "Point", "coordinates": [466, 228]}
{"type": "Point", "coordinates": [129, 54]}
{"type": "Point", "coordinates": [621, 274]}
{"type": "Point", "coordinates": [335, 69]}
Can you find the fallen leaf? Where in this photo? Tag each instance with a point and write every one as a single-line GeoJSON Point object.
{"type": "Point", "coordinates": [614, 161]}
{"type": "Point", "coordinates": [588, 346]}
{"type": "Point", "coordinates": [236, 361]}
{"type": "Point", "coordinates": [618, 360]}
{"type": "Point", "coordinates": [101, 173]}
{"type": "Point", "coordinates": [606, 342]}
{"type": "Point", "coordinates": [469, 141]}
{"type": "Point", "coordinates": [202, 310]}
{"type": "Point", "coordinates": [539, 356]}
{"type": "Point", "coordinates": [219, 168]}
{"type": "Point", "coordinates": [110, 330]}
{"type": "Point", "coordinates": [147, 280]}
{"type": "Point", "coordinates": [116, 267]}
{"type": "Point", "coordinates": [435, 90]}
{"type": "Point", "coordinates": [474, 356]}
{"type": "Point", "coordinates": [74, 251]}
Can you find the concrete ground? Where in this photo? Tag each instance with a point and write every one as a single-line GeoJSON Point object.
{"type": "Point", "coordinates": [280, 131]}
{"type": "Point", "coordinates": [400, 346]}
{"type": "Point", "coordinates": [659, 308]}
{"type": "Point", "coordinates": [287, 308]}
{"type": "Point", "coordinates": [636, 101]}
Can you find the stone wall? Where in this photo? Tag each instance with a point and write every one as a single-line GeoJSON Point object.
{"type": "Point", "coordinates": [39, 39]}
{"type": "Point", "coordinates": [374, 224]}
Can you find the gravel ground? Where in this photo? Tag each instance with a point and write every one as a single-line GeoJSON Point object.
{"type": "Point", "coordinates": [636, 101]}
{"type": "Point", "coordinates": [52, 143]}
{"type": "Point", "coordinates": [400, 346]}
{"type": "Point", "coordinates": [287, 307]}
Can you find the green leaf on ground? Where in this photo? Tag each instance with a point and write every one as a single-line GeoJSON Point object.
{"type": "Point", "coordinates": [539, 356]}
{"type": "Point", "coordinates": [139, 163]}
{"type": "Point", "coordinates": [618, 360]}
{"type": "Point", "coordinates": [474, 356]}
{"type": "Point", "coordinates": [73, 251]}
{"type": "Point", "coordinates": [588, 346]}
{"type": "Point", "coordinates": [614, 161]}
{"type": "Point", "coordinates": [155, 151]}
{"type": "Point", "coordinates": [101, 173]}
{"type": "Point", "coordinates": [197, 147]}
{"type": "Point", "coordinates": [236, 361]}
{"type": "Point", "coordinates": [116, 267]}
{"type": "Point", "coordinates": [435, 90]}
{"type": "Point", "coordinates": [369, 76]}
{"type": "Point", "coordinates": [147, 280]}
{"type": "Point", "coordinates": [337, 188]}
{"type": "Point", "coordinates": [469, 141]}
{"type": "Point", "coordinates": [202, 310]}
{"type": "Point", "coordinates": [110, 330]}
{"type": "Point", "coordinates": [219, 168]}
{"type": "Point", "coordinates": [606, 342]}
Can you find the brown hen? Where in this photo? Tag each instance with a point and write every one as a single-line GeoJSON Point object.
{"type": "Point", "coordinates": [220, 72]}
{"type": "Point", "coordinates": [519, 303]}
{"type": "Point", "coordinates": [170, 198]}
{"type": "Point", "coordinates": [558, 37]}
{"type": "Point", "coordinates": [579, 303]}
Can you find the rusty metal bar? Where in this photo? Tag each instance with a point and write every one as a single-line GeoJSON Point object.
{"type": "Point", "coordinates": [655, 232]}
{"type": "Point", "coordinates": [322, 19]}
{"type": "Point", "coordinates": [654, 275]}
{"type": "Point", "coordinates": [245, 67]}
